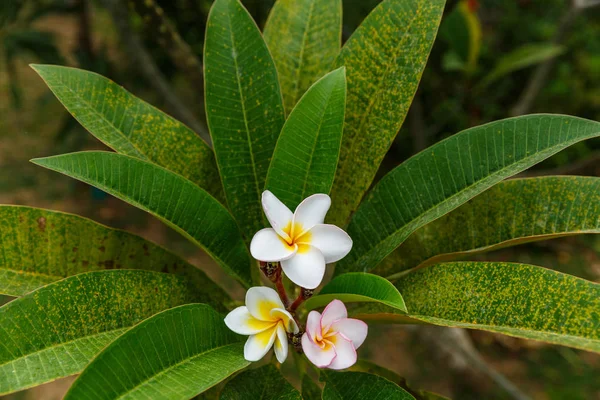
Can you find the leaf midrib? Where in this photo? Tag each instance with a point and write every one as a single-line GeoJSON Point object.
{"type": "Point", "coordinates": [301, 55]}
{"type": "Point", "coordinates": [482, 182]}
{"type": "Point", "coordinates": [171, 367]}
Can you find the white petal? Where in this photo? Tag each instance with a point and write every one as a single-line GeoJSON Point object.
{"type": "Point", "coordinates": [313, 325]}
{"type": "Point", "coordinates": [281, 344]}
{"type": "Point", "coordinates": [280, 217]}
{"type": "Point", "coordinates": [243, 323]}
{"type": "Point", "coordinates": [260, 300]}
{"type": "Point", "coordinates": [286, 318]}
{"type": "Point", "coordinates": [310, 212]}
{"type": "Point", "coordinates": [333, 242]}
{"type": "Point", "coordinates": [345, 353]}
{"type": "Point", "coordinates": [334, 311]}
{"type": "Point", "coordinates": [306, 268]}
{"type": "Point", "coordinates": [354, 329]}
{"type": "Point", "coordinates": [267, 245]}
{"type": "Point", "coordinates": [258, 345]}
{"type": "Point", "coordinates": [322, 358]}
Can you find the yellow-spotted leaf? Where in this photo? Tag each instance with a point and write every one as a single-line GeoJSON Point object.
{"type": "Point", "coordinates": [56, 330]}
{"type": "Point", "coordinates": [510, 213]}
{"type": "Point", "coordinates": [448, 174]}
{"type": "Point", "coordinates": [131, 126]}
{"type": "Point", "coordinates": [175, 354]}
{"type": "Point", "coordinates": [304, 37]}
{"type": "Point", "coordinates": [307, 151]}
{"type": "Point", "coordinates": [514, 299]}
{"type": "Point", "coordinates": [384, 60]}
{"type": "Point", "coordinates": [358, 287]}
{"type": "Point", "coordinates": [41, 246]}
{"type": "Point", "coordinates": [243, 107]}
{"type": "Point", "coordinates": [175, 200]}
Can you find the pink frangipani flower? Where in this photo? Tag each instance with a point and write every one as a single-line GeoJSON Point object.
{"type": "Point", "coordinates": [331, 339]}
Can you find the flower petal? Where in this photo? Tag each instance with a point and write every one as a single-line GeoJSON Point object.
{"type": "Point", "coordinates": [345, 353]}
{"type": "Point", "coordinates": [277, 213]}
{"type": "Point", "coordinates": [333, 242]}
{"type": "Point", "coordinates": [243, 323]}
{"type": "Point", "coordinates": [281, 344]}
{"type": "Point", "coordinates": [322, 358]}
{"type": "Point", "coordinates": [354, 329]}
{"type": "Point", "coordinates": [310, 212]}
{"type": "Point", "coordinates": [334, 311]}
{"type": "Point", "coordinates": [286, 318]}
{"type": "Point", "coordinates": [313, 326]}
{"type": "Point", "coordinates": [260, 300]}
{"type": "Point", "coordinates": [306, 268]}
{"type": "Point", "coordinates": [267, 245]}
{"type": "Point", "coordinates": [258, 345]}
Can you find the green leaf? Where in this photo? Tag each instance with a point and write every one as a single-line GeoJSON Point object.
{"type": "Point", "coordinates": [176, 354]}
{"type": "Point", "coordinates": [304, 37]}
{"type": "Point", "coordinates": [261, 383]}
{"type": "Point", "coordinates": [310, 390]}
{"type": "Point", "coordinates": [56, 330]}
{"type": "Point", "coordinates": [243, 107]}
{"type": "Point", "coordinates": [166, 195]}
{"type": "Point", "coordinates": [514, 299]}
{"type": "Point", "coordinates": [448, 174]}
{"type": "Point", "coordinates": [358, 287]}
{"type": "Point", "coordinates": [371, 368]}
{"type": "Point", "coordinates": [360, 385]}
{"type": "Point", "coordinates": [40, 247]}
{"type": "Point", "coordinates": [307, 151]}
{"type": "Point", "coordinates": [511, 213]}
{"type": "Point", "coordinates": [131, 126]}
{"type": "Point", "coordinates": [384, 61]}
{"type": "Point", "coordinates": [522, 57]}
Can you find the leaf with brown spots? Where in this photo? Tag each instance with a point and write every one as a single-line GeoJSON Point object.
{"type": "Point", "coordinates": [514, 299]}
{"type": "Point", "coordinates": [131, 126]}
{"type": "Point", "coordinates": [384, 61]}
{"type": "Point", "coordinates": [182, 352]}
{"type": "Point", "coordinates": [243, 107]}
{"type": "Point", "coordinates": [511, 213]}
{"type": "Point", "coordinates": [450, 173]}
{"type": "Point", "coordinates": [31, 257]}
{"type": "Point", "coordinates": [56, 330]}
{"type": "Point", "coordinates": [178, 202]}
{"type": "Point", "coordinates": [304, 37]}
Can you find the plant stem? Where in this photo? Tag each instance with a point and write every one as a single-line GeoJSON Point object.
{"type": "Point", "coordinates": [272, 271]}
{"type": "Point", "coordinates": [305, 294]}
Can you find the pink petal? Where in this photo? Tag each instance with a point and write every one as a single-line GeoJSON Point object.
{"type": "Point", "coordinates": [318, 356]}
{"type": "Point", "coordinates": [313, 325]}
{"type": "Point", "coordinates": [345, 353]}
{"type": "Point", "coordinates": [334, 311]}
{"type": "Point", "coordinates": [353, 329]}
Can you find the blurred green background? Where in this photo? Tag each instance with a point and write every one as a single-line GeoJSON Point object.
{"type": "Point", "coordinates": [492, 59]}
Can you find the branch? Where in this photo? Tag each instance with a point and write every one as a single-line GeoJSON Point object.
{"type": "Point", "coordinates": [119, 13]}
{"type": "Point", "coordinates": [455, 344]}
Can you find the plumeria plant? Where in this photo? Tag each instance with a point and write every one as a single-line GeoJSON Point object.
{"type": "Point", "coordinates": [297, 122]}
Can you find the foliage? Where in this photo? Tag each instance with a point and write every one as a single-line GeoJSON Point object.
{"type": "Point", "coordinates": [296, 116]}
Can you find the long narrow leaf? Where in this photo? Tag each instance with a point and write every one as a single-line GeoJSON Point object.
{"type": "Point", "coordinates": [131, 126]}
{"type": "Point", "coordinates": [304, 37]}
{"type": "Point", "coordinates": [384, 61]}
{"type": "Point", "coordinates": [175, 354]}
{"type": "Point", "coordinates": [243, 106]}
{"type": "Point", "coordinates": [40, 247]}
{"type": "Point", "coordinates": [451, 172]}
{"type": "Point", "coordinates": [307, 151]}
{"type": "Point", "coordinates": [56, 330]}
{"type": "Point", "coordinates": [175, 200]}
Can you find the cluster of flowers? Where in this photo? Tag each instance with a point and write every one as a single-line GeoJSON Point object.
{"type": "Point", "coordinates": [301, 244]}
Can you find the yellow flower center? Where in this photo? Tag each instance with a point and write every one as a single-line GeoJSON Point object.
{"type": "Point", "coordinates": [326, 338]}
{"type": "Point", "coordinates": [297, 237]}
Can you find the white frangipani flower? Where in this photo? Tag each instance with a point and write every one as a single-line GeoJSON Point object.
{"type": "Point", "coordinates": [331, 339]}
{"type": "Point", "coordinates": [300, 241]}
{"type": "Point", "coordinates": [267, 322]}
